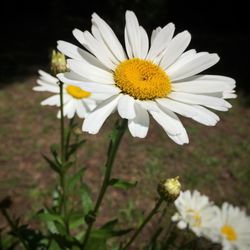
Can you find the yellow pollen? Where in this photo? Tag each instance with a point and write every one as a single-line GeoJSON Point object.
{"type": "Point", "coordinates": [229, 232]}
{"type": "Point", "coordinates": [195, 217]}
{"type": "Point", "coordinates": [142, 79]}
{"type": "Point", "coordinates": [77, 92]}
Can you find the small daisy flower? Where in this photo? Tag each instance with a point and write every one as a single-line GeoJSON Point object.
{"type": "Point", "coordinates": [153, 77]}
{"type": "Point", "coordinates": [195, 211]}
{"type": "Point", "coordinates": [231, 228]}
{"type": "Point", "coordinates": [75, 99]}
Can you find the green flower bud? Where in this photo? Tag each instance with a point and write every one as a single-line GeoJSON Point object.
{"type": "Point", "coordinates": [58, 63]}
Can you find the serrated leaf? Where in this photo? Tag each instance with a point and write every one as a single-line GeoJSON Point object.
{"type": "Point", "coordinates": [122, 184]}
{"type": "Point", "coordinates": [73, 180]}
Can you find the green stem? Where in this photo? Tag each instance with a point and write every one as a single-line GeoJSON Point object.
{"type": "Point", "coordinates": [113, 147]}
{"type": "Point", "coordinates": [62, 124]}
{"type": "Point", "coordinates": [63, 159]}
{"type": "Point", "coordinates": [15, 229]}
{"type": "Point", "coordinates": [140, 228]}
{"type": "Point", "coordinates": [71, 123]}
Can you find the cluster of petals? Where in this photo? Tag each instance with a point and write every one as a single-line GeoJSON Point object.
{"type": "Point", "coordinates": [228, 225]}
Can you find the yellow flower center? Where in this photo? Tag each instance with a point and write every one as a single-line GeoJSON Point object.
{"type": "Point", "coordinates": [142, 79]}
{"type": "Point", "coordinates": [229, 232]}
{"type": "Point", "coordinates": [195, 217]}
{"type": "Point", "coordinates": [77, 92]}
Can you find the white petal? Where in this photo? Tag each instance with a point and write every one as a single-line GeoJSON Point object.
{"type": "Point", "coordinates": [133, 33]}
{"type": "Point", "coordinates": [161, 41]}
{"type": "Point", "coordinates": [52, 101]}
{"type": "Point", "coordinates": [170, 125]}
{"type": "Point", "coordinates": [47, 77]}
{"type": "Point", "coordinates": [90, 86]}
{"type": "Point", "coordinates": [97, 48]}
{"type": "Point", "coordinates": [178, 107]}
{"type": "Point", "coordinates": [90, 72]}
{"type": "Point", "coordinates": [144, 43]}
{"type": "Point", "coordinates": [138, 126]}
{"type": "Point", "coordinates": [81, 109]}
{"type": "Point", "coordinates": [127, 44]}
{"type": "Point", "coordinates": [96, 118]}
{"type": "Point", "coordinates": [182, 137]}
{"type": "Point", "coordinates": [52, 89]}
{"type": "Point", "coordinates": [175, 48]}
{"type": "Point", "coordinates": [204, 84]}
{"type": "Point", "coordinates": [75, 52]}
{"type": "Point", "coordinates": [197, 64]}
{"type": "Point", "coordinates": [154, 33]}
{"type": "Point", "coordinates": [69, 109]}
{"type": "Point", "coordinates": [126, 107]}
{"type": "Point", "coordinates": [109, 37]}
{"type": "Point", "coordinates": [198, 99]}
{"type": "Point", "coordinates": [181, 224]}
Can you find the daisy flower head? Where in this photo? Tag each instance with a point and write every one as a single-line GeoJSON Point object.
{"type": "Point", "coordinates": [150, 77]}
{"type": "Point", "coordinates": [231, 228]}
{"type": "Point", "coordinates": [194, 211]}
{"type": "Point", "coordinates": [75, 99]}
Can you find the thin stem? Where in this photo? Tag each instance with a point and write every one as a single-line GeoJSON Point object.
{"type": "Point", "coordinates": [71, 123]}
{"type": "Point", "coordinates": [63, 159]}
{"type": "Point", "coordinates": [148, 218]}
{"type": "Point", "coordinates": [113, 147]}
{"type": "Point", "coordinates": [62, 124]}
{"type": "Point", "coordinates": [15, 229]}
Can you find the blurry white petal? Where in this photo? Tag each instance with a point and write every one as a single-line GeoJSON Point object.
{"type": "Point", "coordinates": [144, 43]}
{"type": "Point", "coordinates": [52, 101]}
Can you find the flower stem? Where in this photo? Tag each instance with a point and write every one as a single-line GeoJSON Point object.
{"type": "Point", "coordinates": [116, 137]}
{"type": "Point", "coordinates": [14, 229]}
{"type": "Point", "coordinates": [63, 159]}
{"type": "Point", "coordinates": [147, 219]}
{"type": "Point", "coordinates": [62, 123]}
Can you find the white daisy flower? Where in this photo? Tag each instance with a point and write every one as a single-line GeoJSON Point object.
{"type": "Point", "coordinates": [195, 211]}
{"type": "Point", "coordinates": [152, 77]}
{"type": "Point", "coordinates": [231, 228]}
{"type": "Point", "coordinates": [75, 99]}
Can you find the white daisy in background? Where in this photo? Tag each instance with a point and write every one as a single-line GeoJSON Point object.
{"type": "Point", "coordinates": [75, 99]}
{"type": "Point", "coordinates": [231, 228]}
{"type": "Point", "coordinates": [153, 77]}
{"type": "Point", "coordinates": [195, 211]}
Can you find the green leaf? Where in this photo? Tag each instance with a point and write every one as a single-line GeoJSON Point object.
{"type": "Point", "coordinates": [53, 165]}
{"type": "Point", "coordinates": [86, 198]}
{"type": "Point", "coordinates": [76, 219]}
{"type": "Point", "coordinates": [68, 164]}
{"type": "Point", "coordinates": [122, 184]}
{"type": "Point", "coordinates": [109, 225]}
{"type": "Point", "coordinates": [51, 217]}
{"type": "Point", "coordinates": [73, 180]}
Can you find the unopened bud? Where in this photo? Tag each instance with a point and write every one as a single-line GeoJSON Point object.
{"type": "Point", "coordinates": [169, 189]}
{"type": "Point", "coordinates": [58, 63]}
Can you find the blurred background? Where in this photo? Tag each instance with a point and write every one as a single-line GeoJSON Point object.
{"type": "Point", "coordinates": [29, 30]}
{"type": "Point", "coordinates": [216, 161]}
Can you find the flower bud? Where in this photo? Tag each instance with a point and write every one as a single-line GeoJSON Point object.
{"type": "Point", "coordinates": [58, 63]}
{"type": "Point", "coordinates": [169, 189]}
